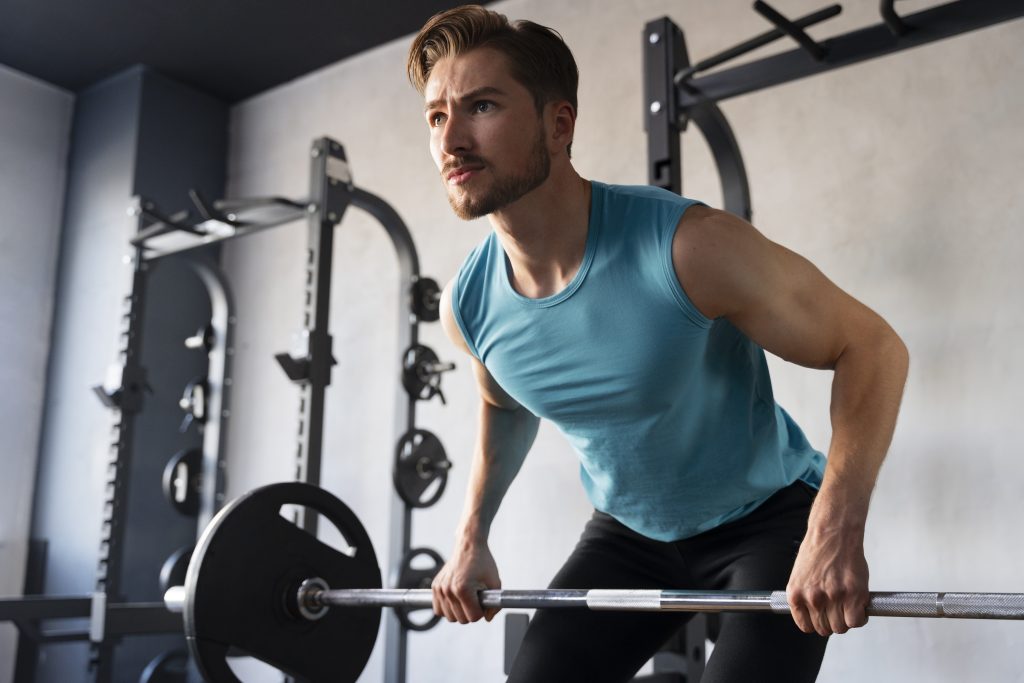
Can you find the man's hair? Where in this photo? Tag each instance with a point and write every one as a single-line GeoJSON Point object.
{"type": "Point", "coordinates": [538, 57]}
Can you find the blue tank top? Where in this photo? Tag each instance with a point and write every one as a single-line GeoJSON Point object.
{"type": "Point", "coordinates": [671, 413]}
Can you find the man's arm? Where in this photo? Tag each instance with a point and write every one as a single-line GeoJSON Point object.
{"type": "Point", "coordinates": [785, 304]}
{"type": "Point", "coordinates": [506, 433]}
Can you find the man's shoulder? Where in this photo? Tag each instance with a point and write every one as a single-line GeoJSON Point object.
{"type": "Point", "coordinates": [634, 202]}
{"type": "Point", "coordinates": [648, 193]}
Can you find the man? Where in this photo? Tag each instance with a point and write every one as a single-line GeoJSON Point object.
{"type": "Point", "coordinates": [635, 320]}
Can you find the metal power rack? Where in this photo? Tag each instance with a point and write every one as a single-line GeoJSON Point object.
{"type": "Point", "coordinates": [674, 95]}
{"type": "Point", "coordinates": [161, 236]}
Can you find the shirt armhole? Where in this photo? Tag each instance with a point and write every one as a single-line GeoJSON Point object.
{"type": "Point", "coordinates": [457, 314]}
{"type": "Point", "coordinates": [691, 311]}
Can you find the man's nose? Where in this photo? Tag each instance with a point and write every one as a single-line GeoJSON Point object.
{"type": "Point", "coordinates": [455, 138]}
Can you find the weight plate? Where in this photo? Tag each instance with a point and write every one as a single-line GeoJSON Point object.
{"type": "Point", "coordinates": [421, 468]}
{"type": "Point", "coordinates": [167, 667]}
{"type": "Point", "coordinates": [426, 297]}
{"type": "Point", "coordinates": [181, 481]}
{"type": "Point", "coordinates": [411, 577]}
{"type": "Point", "coordinates": [175, 567]}
{"type": "Point", "coordinates": [241, 586]}
{"type": "Point", "coordinates": [418, 381]}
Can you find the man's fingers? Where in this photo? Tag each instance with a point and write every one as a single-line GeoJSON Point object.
{"type": "Point", "coordinates": [469, 603]}
{"type": "Point", "coordinates": [856, 611]}
{"type": "Point", "coordinates": [836, 617]}
{"type": "Point", "coordinates": [798, 610]}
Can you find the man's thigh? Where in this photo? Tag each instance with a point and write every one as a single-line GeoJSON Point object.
{"type": "Point", "coordinates": [566, 645]}
{"type": "Point", "coordinates": [757, 554]}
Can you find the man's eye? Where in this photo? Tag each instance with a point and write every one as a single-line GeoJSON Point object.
{"type": "Point", "coordinates": [483, 106]}
{"type": "Point", "coordinates": [436, 120]}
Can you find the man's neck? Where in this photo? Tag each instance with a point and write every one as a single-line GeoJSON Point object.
{"type": "Point", "coordinates": [544, 233]}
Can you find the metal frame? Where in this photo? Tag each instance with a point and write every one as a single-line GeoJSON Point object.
{"type": "Point", "coordinates": [309, 365]}
{"type": "Point", "coordinates": [124, 394]}
{"type": "Point", "coordinates": [161, 236]}
{"type": "Point", "coordinates": [673, 95]}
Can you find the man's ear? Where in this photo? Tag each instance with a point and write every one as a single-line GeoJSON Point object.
{"type": "Point", "coordinates": [563, 124]}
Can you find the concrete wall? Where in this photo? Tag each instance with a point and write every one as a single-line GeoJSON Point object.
{"type": "Point", "coordinates": [35, 123]}
{"type": "Point", "coordinates": [900, 178]}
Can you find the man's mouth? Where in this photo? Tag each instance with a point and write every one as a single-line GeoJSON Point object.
{"type": "Point", "coordinates": [462, 174]}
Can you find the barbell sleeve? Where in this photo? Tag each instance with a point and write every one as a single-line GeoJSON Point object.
{"type": "Point", "coordinates": [174, 599]}
{"type": "Point", "coordinates": [880, 604]}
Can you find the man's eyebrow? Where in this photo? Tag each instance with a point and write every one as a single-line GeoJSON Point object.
{"type": "Point", "coordinates": [471, 95]}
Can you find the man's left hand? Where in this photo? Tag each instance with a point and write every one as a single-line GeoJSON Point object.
{"type": "Point", "coordinates": [828, 588]}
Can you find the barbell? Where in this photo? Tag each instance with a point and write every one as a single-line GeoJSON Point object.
{"type": "Point", "coordinates": [259, 585]}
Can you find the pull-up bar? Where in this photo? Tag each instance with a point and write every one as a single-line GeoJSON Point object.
{"type": "Point", "coordinates": [675, 95]}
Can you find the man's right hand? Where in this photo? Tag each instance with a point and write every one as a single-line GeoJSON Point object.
{"type": "Point", "coordinates": [471, 569]}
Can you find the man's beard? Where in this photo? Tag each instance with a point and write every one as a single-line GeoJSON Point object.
{"type": "Point", "coordinates": [505, 189]}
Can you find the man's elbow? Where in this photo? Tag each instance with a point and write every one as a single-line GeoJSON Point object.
{"type": "Point", "coordinates": [892, 349]}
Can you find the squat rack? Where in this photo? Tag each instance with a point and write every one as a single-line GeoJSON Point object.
{"type": "Point", "coordinates": [309, 364]}
{"type": "Point", "coordinates": [182, 236]}
{"type": "Point", "coordinates": [674, 95]}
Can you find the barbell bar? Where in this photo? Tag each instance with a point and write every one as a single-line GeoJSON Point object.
{"type": "Point", "coordinates": [313, 598]}
{"type": "Point", "coordinates": [260, 585]}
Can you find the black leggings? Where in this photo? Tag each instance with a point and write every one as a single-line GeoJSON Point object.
{"type": "Point", "coordinates": [754, 553]}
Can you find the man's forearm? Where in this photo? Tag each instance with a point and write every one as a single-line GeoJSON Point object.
{"type": "Point", "coordinates": [504, 439]}
{"type": "Point", "coordinates": [866, 392]}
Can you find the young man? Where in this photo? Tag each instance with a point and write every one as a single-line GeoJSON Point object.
{"type": "Point", "coordinates": [635, 320]}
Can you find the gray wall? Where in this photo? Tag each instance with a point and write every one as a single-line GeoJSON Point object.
{"type": "Point", "coordinates": [900, 178]}
{"type": "Point", "coordinates": [35, 123]}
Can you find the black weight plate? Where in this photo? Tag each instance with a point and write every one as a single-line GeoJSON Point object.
{"type": "Point", "coordinates": [426, 295]}
{"type": "Point", "coordinates": [411, 577]}
{"type": "Point", "coordinates": [420, 460]}
{"type": "Point", "coordinates": [418, 382]}
{"type": "Point", "coordinates": [167, 667]}
{"type": "Point", "coordinates": [181, 481]}
{"type": "Point", "coordinates": [174, 569]}
{"type": "Point", "coordinates": [242, 581]}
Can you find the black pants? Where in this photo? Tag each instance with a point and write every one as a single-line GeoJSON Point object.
{"type": "Point", "coordinates": [752, 553]}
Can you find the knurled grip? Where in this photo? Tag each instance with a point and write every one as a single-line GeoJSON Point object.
{"type": "Point", "coordinates": [983, 605]}
{"type": "Point", "coordinates": [937, 605]}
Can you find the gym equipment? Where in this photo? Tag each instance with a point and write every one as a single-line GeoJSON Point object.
{"type": "Point", "coordinates": [202, 339]}
{"type": "Point", "coordinates": [426, 295]}
{"type": "Point", "coordinates": [175, 567]}
{"type": "Point", "coordinates": [182, 481]}
{"type": "Point", "coordinates": [249, 559]}
{"type": "Point", "coordinates": [422, 372]}
{"type": "Point", "coordinates": [170, 666]}
{"type": "Point", "coordinates": [193, 402]}
{"type": "Point", "coordinates": [264, 586]}
{"type": "Point", "coordinates": [676, 92]}
{"type": "Point", "coordinates": [421, 468]}
{"type": "Point", "coordinates": [411, 577]}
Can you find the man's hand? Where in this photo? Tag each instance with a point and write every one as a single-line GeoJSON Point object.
{"type": "Point", "coordinates": [471, 569]}
{"type": "Point", "coordinates": [828, 588]}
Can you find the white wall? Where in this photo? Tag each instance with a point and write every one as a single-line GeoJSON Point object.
{"type": "Point", "coordinates": [901, 178]}
{"type": "Point", "coordinates": [35, 124]}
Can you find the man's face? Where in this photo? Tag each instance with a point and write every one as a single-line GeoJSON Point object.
{"type": "Point", "coordinates": [485, 134]}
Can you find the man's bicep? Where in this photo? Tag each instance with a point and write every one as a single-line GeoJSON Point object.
{"type": "Point", "coordinates": [775, 296]}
